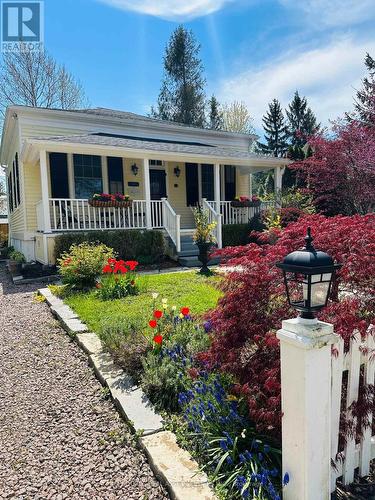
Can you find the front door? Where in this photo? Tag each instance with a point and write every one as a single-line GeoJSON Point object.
{"type": "Point", "coordinates": [158, 187]}
{"type": "Point", "coordinates": [192, 188]}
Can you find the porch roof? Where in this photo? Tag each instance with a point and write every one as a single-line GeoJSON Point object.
{"type": "Point", "coordinates": [143, 147]}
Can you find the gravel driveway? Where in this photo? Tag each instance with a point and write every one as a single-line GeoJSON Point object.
{"type": "Point", "coordinates": [59, 436]}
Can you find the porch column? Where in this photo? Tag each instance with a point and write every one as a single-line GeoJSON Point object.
{"type": "Point", "coordinates": [45, 191]}
{"type": "Point", "coordinates": [250, 185]}
{"type": "Point", "coordinates": [217, 187]}
{"type": "Point", "coordinates": [146, 180]}
{"type": "Point", "coordinates": [278, 182]}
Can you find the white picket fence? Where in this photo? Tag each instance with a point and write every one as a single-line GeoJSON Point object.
{"type": "Point", "coordinates": [354, 455]}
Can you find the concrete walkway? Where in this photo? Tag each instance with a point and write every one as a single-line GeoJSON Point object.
{"type": "Point", "coordinates": [59, 437]}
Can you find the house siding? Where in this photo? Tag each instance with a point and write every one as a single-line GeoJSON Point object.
{"type": "Point", "coordinates": [33, 194]}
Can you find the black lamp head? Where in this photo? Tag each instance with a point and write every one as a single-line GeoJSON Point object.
{"type": "Point", "coordinates": [308, 275]}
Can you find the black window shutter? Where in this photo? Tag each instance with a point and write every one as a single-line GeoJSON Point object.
{"type": "Point", "coordinates": [58, 165]}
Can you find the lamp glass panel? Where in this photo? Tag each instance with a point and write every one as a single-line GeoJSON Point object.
{"type": "Point", "coordinates": [327, 277]}
{"type": "Point", "coordinates": [296, 288]}
{"type": "Point", "coordinates": [319, 292]}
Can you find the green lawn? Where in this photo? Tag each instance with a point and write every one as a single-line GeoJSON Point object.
{"type": "Point", "coordinates": [189, 289]}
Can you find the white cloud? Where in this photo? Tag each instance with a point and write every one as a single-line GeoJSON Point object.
{"type": "Point", "coordinates": [175, 10]}
{"type": "Point", "coordinates": [333, 12]}
{"type": "Point", "coordinates": [327, 76]}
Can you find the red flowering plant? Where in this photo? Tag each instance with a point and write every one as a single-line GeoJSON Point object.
{"type": "Point", "coordinates": [118, 279]}
{"type": "Point", "coordinates": [168, 324]}
{"type": "Point", "coordinates": [245, 322]}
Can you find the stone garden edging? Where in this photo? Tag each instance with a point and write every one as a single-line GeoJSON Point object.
{"type": "Point", "coordinates": [171, 464]}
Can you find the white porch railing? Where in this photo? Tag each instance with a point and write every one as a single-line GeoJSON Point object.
{"type": "Point", "coordinates": [214, 217]}
{"type": "Point", "coordinates": [172, 223]}
{"type": "Point", "coordinates": [240, 215]}
{"type": "Point", "coordinates": [78, 215]}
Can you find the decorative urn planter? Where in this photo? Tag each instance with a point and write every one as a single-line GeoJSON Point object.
{"type": "Point", "coordinates": [203, 257]}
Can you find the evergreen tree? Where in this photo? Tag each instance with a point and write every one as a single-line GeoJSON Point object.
{"type": "Point", "coordinates": [365, 97]}
{"type": "Point", "coordinates": [215, 121]}
{"type": "Point", "coordinates": [182, 97]}
{"type": "Point", "coordinates": [276, 131]}
{"type": "Point", "coordinates": [301, 121]}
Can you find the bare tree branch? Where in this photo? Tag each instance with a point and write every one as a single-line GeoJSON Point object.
{"type": "Point", "coordinates": [35, 79]}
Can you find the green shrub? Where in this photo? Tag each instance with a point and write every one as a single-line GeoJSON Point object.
{"type": "Point", "coordinates": [147, 247]}
{"type": "Point", "coordinates": [82, 265]}
{"type": "Point", "coordinates": [124, 340]}
{"type": "Point", "coordinates": [17, 256]}
{"type": "Point", "coordinates": [239, 234]}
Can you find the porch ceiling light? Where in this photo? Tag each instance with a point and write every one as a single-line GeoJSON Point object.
{"type": "Point", "coordinates": [134, 169]}
{"type": "Point", "coordinates": [177, 171]}
{"type": "Point", "coordinates": [308, 275]}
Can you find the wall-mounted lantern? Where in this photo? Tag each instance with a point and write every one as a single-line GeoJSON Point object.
{"type": "Point", "coordinates": [177, 171]}
{"type": "Point", "coordinates": [134, 169]}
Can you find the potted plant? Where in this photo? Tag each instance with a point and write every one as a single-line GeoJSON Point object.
{"type": "Point", "coordinates": [15, 261]}
{"type": "Point", "coordinates": [203, 236]}
{"type": "Point", "coordinates": [110, 200]}
{"type": "Point", "coordinates": [245, 201]}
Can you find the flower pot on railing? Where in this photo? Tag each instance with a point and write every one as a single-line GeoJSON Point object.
{"type": "Point", "coordinates": [244, 202]}
{"type": "Point", "coordinates": [110, 200]}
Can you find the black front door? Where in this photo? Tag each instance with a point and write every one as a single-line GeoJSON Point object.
{"type": "Point", "coordinates": [58, 168]}
{"type": "Point", "coordinates": [192, 189]}
{"type": "Point", "coordinates": [158, 186]}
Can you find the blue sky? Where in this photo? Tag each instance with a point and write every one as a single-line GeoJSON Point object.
{"type": "Point", "coordinates": [252, 50]}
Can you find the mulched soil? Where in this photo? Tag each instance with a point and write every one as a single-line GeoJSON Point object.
{"type": "Point", "coordinates": [60, 437]}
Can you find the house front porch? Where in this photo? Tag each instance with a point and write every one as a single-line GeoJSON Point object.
{"type": "Point", "coordinates": [163, 186]}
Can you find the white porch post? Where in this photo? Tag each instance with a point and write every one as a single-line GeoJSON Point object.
{"type": "Point", "coordinates": [306, 407]}
{"type": "Point", "coordinates": [278, 181]}
{"type": "Point", "coordinates": [146, 180]}
{"type": "Point", "coordinates": [45, 192]}
{"type": "Point", "coordinates": [217, 187]}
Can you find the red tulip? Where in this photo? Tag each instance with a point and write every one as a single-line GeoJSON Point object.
{"type": "Point", "coordinates": [185, 311]}
{"type": "Point", "coordinates": [158, 339]}
{"type": "Point", "coordinates": [120, 267]}
{"type": "Point", "coordinates": [107, 269]}
{"type": "Point", "coordinates": [132, 264]}
{"type": "Point", "coordinates": [158, 314]}
{"type": "Point", "coordinates": [153, 323]}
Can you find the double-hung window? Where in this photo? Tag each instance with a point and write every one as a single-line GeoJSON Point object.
{"type": "Point", "coordinates": [87, 175]}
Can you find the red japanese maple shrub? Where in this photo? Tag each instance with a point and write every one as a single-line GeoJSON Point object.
{"type": "Point", "coordinates": [245, 322]}
{"type": "Point", "coordinates": [340, 174]}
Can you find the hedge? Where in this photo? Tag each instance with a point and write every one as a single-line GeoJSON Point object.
{"type": "Point", "coordinates": [239, 234]}
{"type": "Point", "coordinates": [147, 247]}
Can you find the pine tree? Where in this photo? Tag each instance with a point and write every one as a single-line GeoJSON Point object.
{"type": "Point", "coordinates": [182, 98]}
{"type": "Point", "coordinates": [276, 131]}
{"type": "Point", "coordinates": [215, 121]}
{"type": "Point", "coordinates": [365, 97]}
{"type": "Point", "coordinates": [301, 121]}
